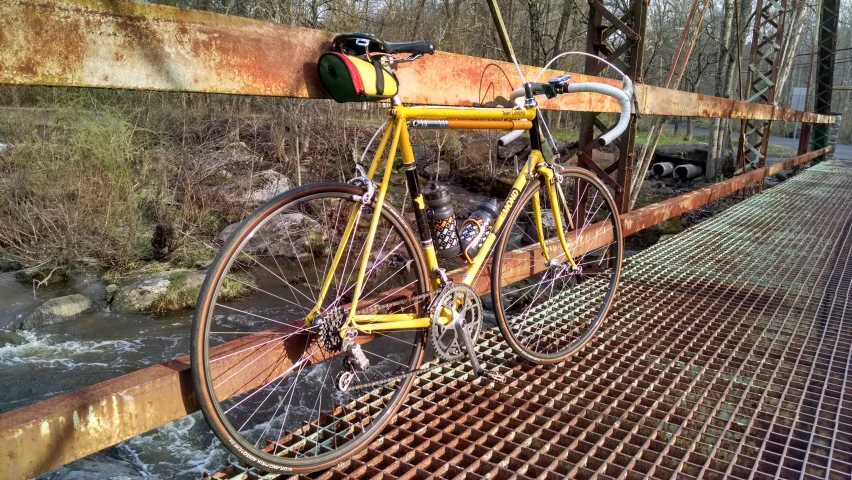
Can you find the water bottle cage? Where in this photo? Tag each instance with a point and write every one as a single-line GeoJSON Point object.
{"type": "Point", "coordinates": [476, 241]}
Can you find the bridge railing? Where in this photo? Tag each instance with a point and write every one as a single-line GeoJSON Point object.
{"type": "Point", "coordinates": [125, 45]}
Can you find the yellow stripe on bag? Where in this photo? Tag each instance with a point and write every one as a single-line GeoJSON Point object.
{"type": "Point", "coordinates": [368, 77]}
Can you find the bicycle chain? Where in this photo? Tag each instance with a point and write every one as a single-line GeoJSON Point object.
{"type": "Point", "coordinates": [402, 376]}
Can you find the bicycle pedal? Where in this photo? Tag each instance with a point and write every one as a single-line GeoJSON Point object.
{"type": "Point", "coordinates": [493, 376]}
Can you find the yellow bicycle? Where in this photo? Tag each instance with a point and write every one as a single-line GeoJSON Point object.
{"type": "Point", "coordinates": [339, 307]}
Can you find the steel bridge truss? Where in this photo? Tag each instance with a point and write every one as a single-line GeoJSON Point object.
{"type": "Point", "coordinates": [619, 39]}
{"type": "Point", "coordinates": [764, 63]}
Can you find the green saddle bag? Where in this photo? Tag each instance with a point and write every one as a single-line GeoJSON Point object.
{"type": "Point", "coordinates": [351, 79]}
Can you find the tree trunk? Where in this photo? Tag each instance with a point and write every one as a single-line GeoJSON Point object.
{"type": "Point", "coordinates": [563, 25]}
{"type": "Point", "coordinates": [717, 127]}
{"type": "Point", "coordinates": [791, 43]}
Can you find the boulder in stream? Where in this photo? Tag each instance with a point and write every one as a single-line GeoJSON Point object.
{"type": "Point", "coordinates": [57, 310]}
{"type": "Point", "coordinates": [291, 235]}
{"type": "Point", "coordinates": [257, 188]}
{"type": "Point", "coordinates": [152, 292]}
{"type": "Point", "coordinates": [11, 338]}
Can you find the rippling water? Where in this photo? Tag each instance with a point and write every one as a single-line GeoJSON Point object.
{"type": "Point", "coordinates": [62, 358]}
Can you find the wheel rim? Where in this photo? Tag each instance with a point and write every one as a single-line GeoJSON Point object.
{"type": "Point", "coordinates": [271, 386]}
{"type": "Point", "coordinates": [553, 312]}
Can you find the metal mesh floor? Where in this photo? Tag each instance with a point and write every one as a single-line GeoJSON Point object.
{"type": "Point", "coordinates": [726, 355]}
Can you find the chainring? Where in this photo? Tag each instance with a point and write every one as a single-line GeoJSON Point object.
{"type": "Point", "coordinates": [467, 308]}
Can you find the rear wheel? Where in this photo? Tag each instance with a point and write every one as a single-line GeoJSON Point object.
{"type": "Point", "coordinates": [546, 309]}
{"type": "Point", "coordinates": [266, 383]}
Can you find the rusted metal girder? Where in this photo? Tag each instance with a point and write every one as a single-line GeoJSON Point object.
{"type": "Point", "coordinates": [128, 45]}
{"type": "Point", "coordinates": [53, 432]}
{"type": "Point", "coordinates": [628, 56]}
{"type": "Point", "coordinates": [826, 54]}
{"type": "Point", "coordinates": [765, 62]}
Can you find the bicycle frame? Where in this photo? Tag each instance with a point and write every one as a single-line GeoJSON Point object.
{"type": "Point", "coordinates": [398, 134]}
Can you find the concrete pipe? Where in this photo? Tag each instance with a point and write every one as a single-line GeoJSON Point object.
{"type": "Point", "coordinates": [688, 171]}
{"type": "Point", "coordinates": [662, 169]}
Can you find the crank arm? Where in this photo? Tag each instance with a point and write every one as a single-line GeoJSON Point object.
{"type": "Point", "coordinates": [474, 362]}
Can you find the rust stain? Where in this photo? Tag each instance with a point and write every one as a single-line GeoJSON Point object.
{"type": "Point", "coordinates": [154, 47]}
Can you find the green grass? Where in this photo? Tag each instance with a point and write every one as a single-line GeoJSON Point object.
{"type": "Point", "coordinates": [181, 294]}
{"type": "Point", "coordinates": [134, 269]}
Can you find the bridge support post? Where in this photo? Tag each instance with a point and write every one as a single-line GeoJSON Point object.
{"type": "Point", "coordinates": [764, 63]}
{"type": "Point", "coordinates": [826, 47]}
{"type": "Point", "coordinates": [627, 57]}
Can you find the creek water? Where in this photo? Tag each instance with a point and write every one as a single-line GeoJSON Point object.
{"type": "Point", "coordinates": [62, 358]}
{"type": "Point", "coordinates": [58, 359]}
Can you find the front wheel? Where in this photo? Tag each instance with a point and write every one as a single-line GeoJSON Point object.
{"type": "Point", "coordinates": [546, 308]}
{"type": "Point", "coordinates": [269, 385]}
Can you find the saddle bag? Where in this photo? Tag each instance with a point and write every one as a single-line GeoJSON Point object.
{"type": "Point", "coordinates": [352, 79]}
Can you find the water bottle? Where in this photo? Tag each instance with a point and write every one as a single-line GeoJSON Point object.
{"type": "Point", "coordinates": [442, 220]}
{"type": "Point", "coordinates": [477, 227]}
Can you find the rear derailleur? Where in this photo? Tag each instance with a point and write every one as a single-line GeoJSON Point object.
{"type": "Point", "coordinates": [354, 362]}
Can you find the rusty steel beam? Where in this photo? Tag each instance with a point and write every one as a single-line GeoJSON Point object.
{"type": "Point", "coordinates": [53, 432]}
{"type": "Point", "coordinates": [629, 57]}
{"type": "Point", "coordinates": [128, 45]}
{"type": "Point", "coordinates": [763, 69]}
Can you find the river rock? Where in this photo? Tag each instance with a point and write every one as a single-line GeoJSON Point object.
{"type": "Point", "coordinates": [8, 265]}
{"type": "Point", "coordinates": [110, 290]}
{"type": "Point", "coordinates": [519, 147]}
{"type": "Point", "coordinates": [142, 294]}
{"type": "Point", "coordinates": [258, 188]}
{"type": "Point", "coordinates": [441, 168]}
{"type": "Point", "coordinates": [43, 273]}
{"type": "Point", "coordinates": [291, 235]}
{"type": "Point", "coordinates": [57, 310]}
{"type": "Point", "coordinates": [11, 338]}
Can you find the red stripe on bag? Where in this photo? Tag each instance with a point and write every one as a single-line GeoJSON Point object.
{"type": "Point", "coordinates": [353, 72]}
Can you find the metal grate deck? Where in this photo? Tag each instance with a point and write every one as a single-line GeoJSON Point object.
{"type": "Point", "coordinates": [726, 355]}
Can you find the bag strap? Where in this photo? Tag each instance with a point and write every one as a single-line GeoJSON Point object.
{"type": "Point", "coordinates": [380, 77]}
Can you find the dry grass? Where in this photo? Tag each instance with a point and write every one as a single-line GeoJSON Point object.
{"type": "Point", "coordinates": [75, 193]}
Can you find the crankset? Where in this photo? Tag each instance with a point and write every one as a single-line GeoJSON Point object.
{"type": "Point", "coordinates": [452, 336]}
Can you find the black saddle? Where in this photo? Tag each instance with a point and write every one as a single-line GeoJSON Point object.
{"type": "Point", "coordinates": [361, 43]}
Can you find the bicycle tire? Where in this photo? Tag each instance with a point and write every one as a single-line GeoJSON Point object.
{"type": "Point", "coordinates": [543, 316]}
{"type": "Point", "coordinates": [332, 431]}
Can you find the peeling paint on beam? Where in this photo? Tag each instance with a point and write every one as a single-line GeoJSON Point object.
{"type": "Point", "coordinates": [47, 434]}
{"type": "Point", "coordinates": [54, 432]}
{"type": "Point", "coordinates": [128, 45]}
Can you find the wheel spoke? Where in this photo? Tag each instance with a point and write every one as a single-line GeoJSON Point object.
{"type": "Point", "coordinates": [273, 376]}
{"type": "Point", "coordinates": [548, 314]}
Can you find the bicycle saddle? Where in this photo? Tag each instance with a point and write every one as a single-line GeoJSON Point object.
{"type": "Point", "coordinates": [361, 43]}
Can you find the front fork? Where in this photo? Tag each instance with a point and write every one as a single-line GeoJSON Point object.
{"type": "Point", "coordinates": [551, 180]}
